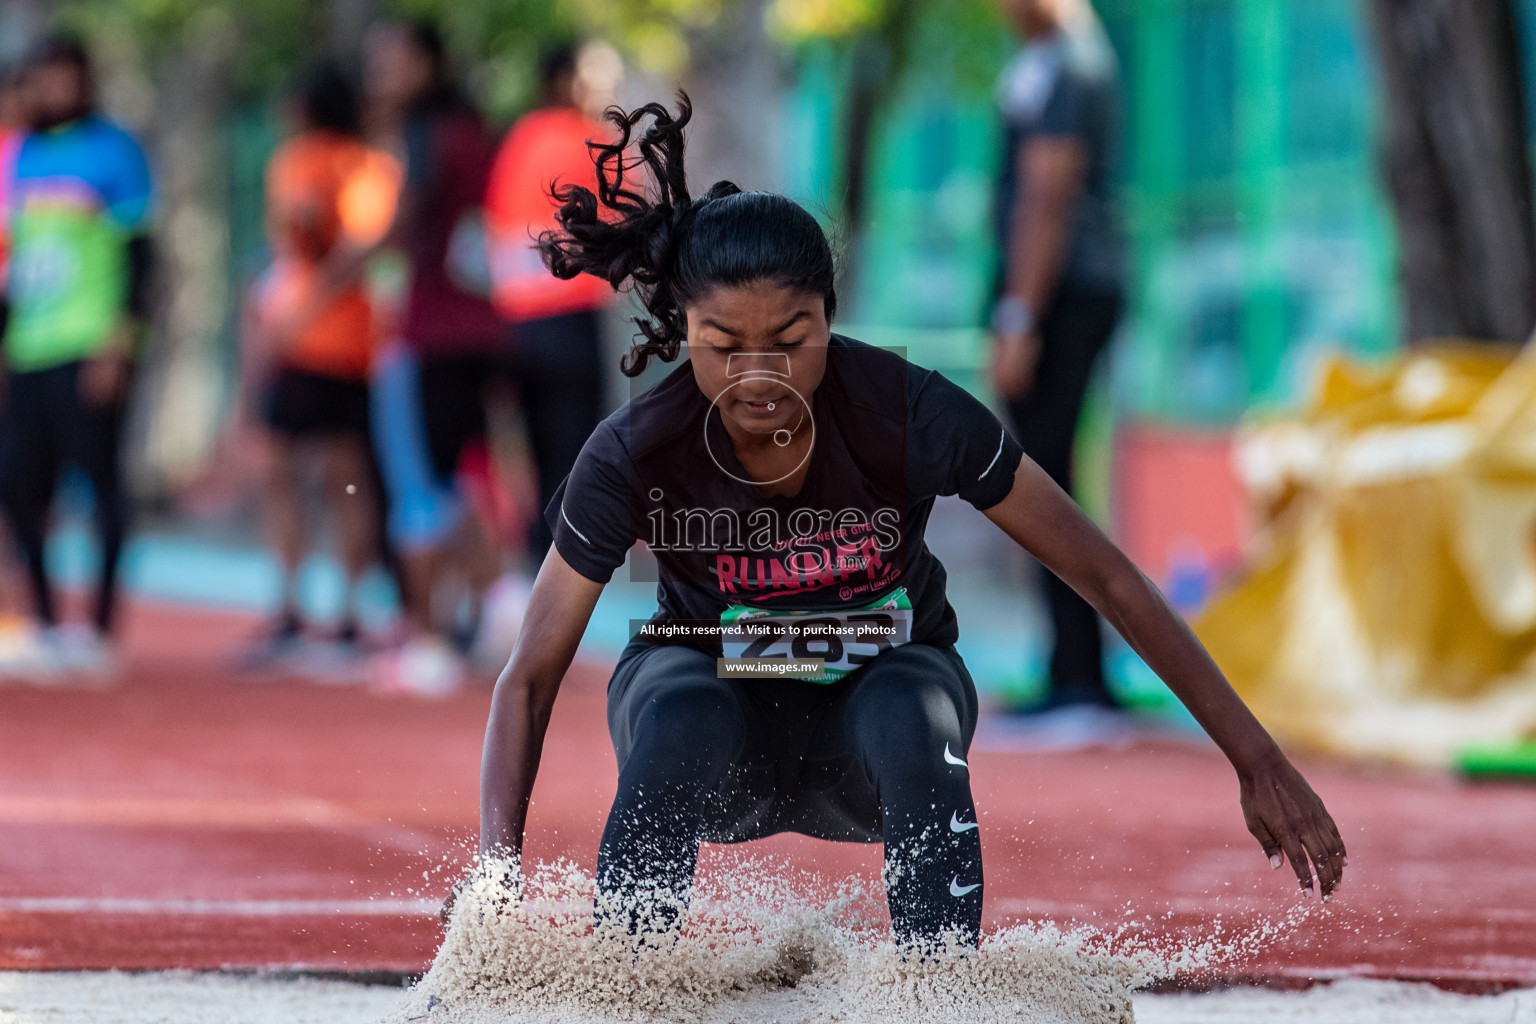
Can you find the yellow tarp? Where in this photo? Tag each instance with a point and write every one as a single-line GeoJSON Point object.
{"type": "Point", "coordinates": [1391, 608]}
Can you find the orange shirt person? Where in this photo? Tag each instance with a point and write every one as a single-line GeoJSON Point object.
{"type": "Point", "coordinates": [555, 356]}
{"type": "Point", "coordinates": [325, 190]}
{"type": "Point", "coordinates": [545, 146]}
{"type": "Point", "coordinates": [330, 201]}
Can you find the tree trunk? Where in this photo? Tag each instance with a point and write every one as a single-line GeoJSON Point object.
{"type": "Point", "coordinates": [22, 23]}
{"type": "Point", "coordinates": [737, 92]}
{"type": "Point", "coordinates": [347, 23]}
{"type": "Point", "coordinates": [875, 64]}
{"type": "Point", "coordinates": [185, 386]}
{"type": "Point", "coordinates": [1454, 157]}
{"type": "Point", "coordinates": [869, 86]}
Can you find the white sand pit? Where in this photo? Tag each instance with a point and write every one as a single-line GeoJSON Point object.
{"type": "Point", "coordinates": [759, 946]}
{"type": "Point", "coordinates": [177, 997]}
{"type": "Point", "coordinates": [1353, 1001]}
{"type": "Point", "coordinates": [181, 998]}
{"type": "Point", "coordinates": [757, 949]}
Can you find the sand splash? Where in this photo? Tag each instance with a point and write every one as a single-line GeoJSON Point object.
{"type": "Point", "coordinates": [761, 947]}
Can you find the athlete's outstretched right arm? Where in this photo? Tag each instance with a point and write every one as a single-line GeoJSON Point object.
{"type": "Point", "coordinates": [558, 610]}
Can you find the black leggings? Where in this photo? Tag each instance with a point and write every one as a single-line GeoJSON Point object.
{"type": "Point", "coordinates": [1074, 329]}
{"type": "Point", "coordinates": [877, 756]}
{"type": "Point", "coordinates": [44, 425]}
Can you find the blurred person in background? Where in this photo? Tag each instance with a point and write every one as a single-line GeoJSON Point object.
{"type": "Point", "coordinates": [428, 394]}
{"type": "Point", "coordinates": [77, 294]}
{"type": "Point", "coordinates": [1061, 288]}
{"type": "Point", "coordinates": [18, 648]}
{"type": "Point", "coordinates": [330, 200]}
{"type": "Point", "coordinates": [556, 346]}
{"type": "Point", "coordinates": [14, 120]}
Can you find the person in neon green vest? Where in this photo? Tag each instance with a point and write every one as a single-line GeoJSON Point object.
{"type": "Point", "coordinates": [79, 212]}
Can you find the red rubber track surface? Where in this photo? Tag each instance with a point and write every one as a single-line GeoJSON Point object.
{"type": "Point", "coordinates": [186, 820]}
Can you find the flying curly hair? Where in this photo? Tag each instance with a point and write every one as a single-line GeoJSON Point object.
{"type": "Point", "coordinates": [669, 247]}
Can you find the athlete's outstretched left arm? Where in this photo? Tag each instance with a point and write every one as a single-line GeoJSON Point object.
{"type": "Point", "coordinates": [1281, 809]}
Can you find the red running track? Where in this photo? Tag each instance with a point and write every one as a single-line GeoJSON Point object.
{"type": "Point", "coordinates": [185, 820]}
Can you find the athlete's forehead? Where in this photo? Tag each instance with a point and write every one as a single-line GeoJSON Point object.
{"type": "Point", "coordinates": [760, 312]}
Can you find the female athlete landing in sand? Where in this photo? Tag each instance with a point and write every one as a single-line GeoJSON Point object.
{"type": "Point", "coordinates": [783, 476]}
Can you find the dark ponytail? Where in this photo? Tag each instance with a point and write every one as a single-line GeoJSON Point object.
{"type": "Point", "coordinates": [671, 246]}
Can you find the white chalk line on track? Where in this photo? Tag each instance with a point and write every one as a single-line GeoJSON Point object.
{"type": "Point", "coordinates": [387, 907]}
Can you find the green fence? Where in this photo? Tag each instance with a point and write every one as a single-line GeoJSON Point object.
{"type": "Point", "coordinates": [1251, 200]}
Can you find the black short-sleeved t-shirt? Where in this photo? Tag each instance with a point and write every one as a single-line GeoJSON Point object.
{"type": "Point", "coordinates": [889, 437]}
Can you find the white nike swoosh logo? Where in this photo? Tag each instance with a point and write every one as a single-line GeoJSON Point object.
{"type": "Point", "coordinates": [957, 890]}
{"type": "Point", "coordinates": [956, 825]}
{"type": "Point", "coordinates": [952, 759]}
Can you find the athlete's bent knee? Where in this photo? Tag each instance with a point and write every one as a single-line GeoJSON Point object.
{"type": "Point", "coordinates": [916, 727]}
{"type": "Point", "coordinates": [691, 724]}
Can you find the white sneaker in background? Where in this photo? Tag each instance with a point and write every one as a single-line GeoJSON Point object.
{"type": "Point", "coordinates": [501, 620]}
{"type": "Point", "coordinates": [421, 667]}
{"type": "Point", "coordinates": [333, 663]}
{"type": "Point", "coordinates": [81, 654]}
{"type": "Point", "coordinates": [271, 653]}
{"type": "Point", "coordinates": [341, 658]}
{"type": "Point", "coordinates": [23, 655]}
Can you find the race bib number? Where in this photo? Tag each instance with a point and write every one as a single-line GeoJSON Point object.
{"type": "Point", "coordinates": [843, 639]}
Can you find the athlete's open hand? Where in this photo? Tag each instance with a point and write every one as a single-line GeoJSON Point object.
{"type": "Point", "coordinates": [496, 882]}
{"type": "Point", "coordinates": [1288, 818]}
